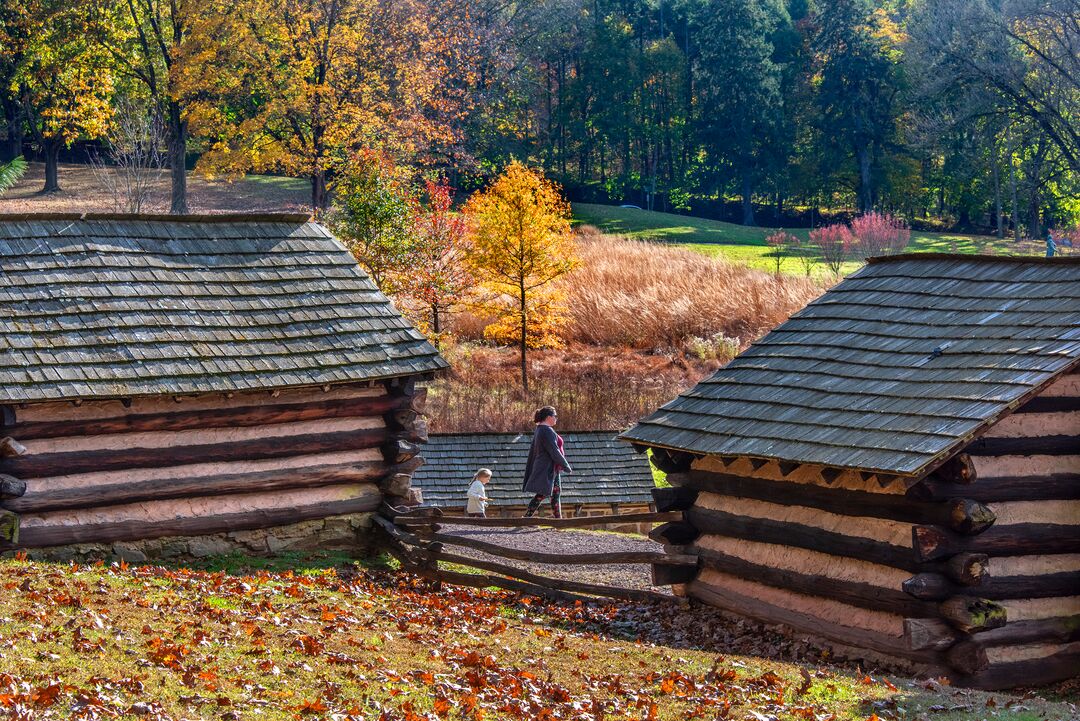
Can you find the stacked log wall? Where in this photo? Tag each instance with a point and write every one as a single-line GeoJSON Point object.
{"type": "Point", "coordinates": [826, 557]}
{"type": "Point", "coordinates": [112, 471]}
{"type": "Point", "coordinates": [1028, 474]}
{"type": "Point", "coordinates": [974, 571]}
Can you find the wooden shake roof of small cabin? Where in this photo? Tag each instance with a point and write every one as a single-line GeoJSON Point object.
{"type": "Point", "coordinates": [107, 306]}
{"type": "Point", "coordinates": [605, 470]}
{"type": "Point", "coordinates": [893, 370]}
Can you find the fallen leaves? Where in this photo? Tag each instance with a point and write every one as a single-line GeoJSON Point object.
{"type": "Point", "coordinates": [168, 644]}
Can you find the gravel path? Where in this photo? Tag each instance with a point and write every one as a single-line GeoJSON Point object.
{"type": "Point", "coordinates": [550, 540]}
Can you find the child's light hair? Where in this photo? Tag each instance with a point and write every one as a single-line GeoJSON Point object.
{"type": "Point", "coordinates": [482, 472]}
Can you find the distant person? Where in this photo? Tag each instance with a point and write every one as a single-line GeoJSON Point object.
{"type": "Point", "coordinates": [1050, 245]}
{"type": "Point", "coordinates": [477, 498]}
{"type": "Point", "coordinates": [546, 463]}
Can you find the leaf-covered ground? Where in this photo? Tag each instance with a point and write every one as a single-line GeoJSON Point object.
{"type": "Point", "coordinates": [106, 642]}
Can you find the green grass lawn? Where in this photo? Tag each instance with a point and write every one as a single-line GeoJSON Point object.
{"type": "Point", "coordinates": [746, 246]}
{"type": "Point", "coordinates": [349, 644]}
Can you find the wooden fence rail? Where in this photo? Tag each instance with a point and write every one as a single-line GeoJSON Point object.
{"type": "Point", "coordinates": [575, 522]}
{"type": "Point", "coordinates": [413, 538]}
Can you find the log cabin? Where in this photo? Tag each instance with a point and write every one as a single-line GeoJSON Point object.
{"type": "Point", "coordinates": [182, 385]}
{"type": "Point", "coordinates": [608, 476]}
{"type": "Point", "coordinates": [896, 468]}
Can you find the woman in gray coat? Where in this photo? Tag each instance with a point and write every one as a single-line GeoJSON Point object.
{"type": "Point", "coordinates": [546, 463]}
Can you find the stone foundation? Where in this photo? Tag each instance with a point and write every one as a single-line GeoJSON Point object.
{"type": "Point", "coordinates": [352, 533]}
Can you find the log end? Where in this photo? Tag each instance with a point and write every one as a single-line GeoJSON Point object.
{"type": "Point", "coordinates": [399, 450]}
{"type": "Point", "coordinates": [931, 543]}
{"type": "Point", "coordinates": [970, 517]}
{"type": "Point", "coordinates": [10, 448]}
{"type": "Point", "coordinates": [928, 587]}
{"type": "Point", "coordinates": [958, 469]}
{"type": "Point", "coordinates": [675, 498]}
{"type": "Point", "coordinates": [11, 487]}
{"type": "Point", "coordinates": [9, 527]}
{"type": "Point", "coordinates": [967, 657]}
{"type": "Point", "coordinates": [970, 614]}
{"type": "Point", "coordinates": [968, 569]}
{"type": "Point", "coordinates": [928, 633]}
{"type": "Point", "coordinates": [668, 575]}
{"type": "Point", "coordinates": [396, 484]}
{"type": "Point", "coordinates": [674, 532]}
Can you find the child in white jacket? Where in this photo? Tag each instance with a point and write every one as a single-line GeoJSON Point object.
{"type": "Point", "coordinates": [478, 500]}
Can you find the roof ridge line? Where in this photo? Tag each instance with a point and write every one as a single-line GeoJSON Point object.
{"type": "Point", "coordinates": [977, 257]}
{"type": "Point", "coordinates": [262, 217]}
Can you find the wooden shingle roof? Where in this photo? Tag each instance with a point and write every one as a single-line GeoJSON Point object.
{"type": "Point", "coordinates": [117, 306]}
{"type": "Point", "coordinates": [893, 370]}
{"type": "Point", "coordinates": [605, 469]}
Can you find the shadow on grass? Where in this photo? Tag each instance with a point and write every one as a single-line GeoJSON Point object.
{"type": "Point", "coordinates": [239, 564]}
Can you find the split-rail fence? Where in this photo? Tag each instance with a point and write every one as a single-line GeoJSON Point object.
{"type": "Point", "coordinates": [414, 537]}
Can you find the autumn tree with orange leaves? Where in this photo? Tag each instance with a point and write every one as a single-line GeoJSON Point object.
{"type": "Point", "coordinates": [521, 243]}
{"type": "Point", "coordinates": [440, 277]}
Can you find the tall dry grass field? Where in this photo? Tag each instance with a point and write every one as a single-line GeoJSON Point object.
{"type": "Point", "coordinates": [646, 321]}
{"type": "Point", "coordinates": [593, 388]}
{"type": "Point", "coordinates": [647, 295]}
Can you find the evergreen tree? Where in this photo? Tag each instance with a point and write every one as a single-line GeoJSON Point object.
{"type": "Point", "coordinates": [740, 104]}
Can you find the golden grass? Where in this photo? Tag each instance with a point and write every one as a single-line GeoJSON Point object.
{"type": "Point", "coordinates": [593, 388]}
{"type": "Point", "coordinates": [647, 295]}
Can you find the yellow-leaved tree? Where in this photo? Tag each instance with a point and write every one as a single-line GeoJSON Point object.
{"type": "Point", "coordinates": [298, 86]}
{"type": "Point", "coordinates": [61, 74]}
{"type": "Point", "coordinates": [521, 243]}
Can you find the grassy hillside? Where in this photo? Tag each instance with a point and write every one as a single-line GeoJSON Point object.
{"type": "Point", "coordinates": [747, 245]}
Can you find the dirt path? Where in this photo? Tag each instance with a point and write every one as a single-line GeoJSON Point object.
{"type": "Point", "coordinates": [550, 540]}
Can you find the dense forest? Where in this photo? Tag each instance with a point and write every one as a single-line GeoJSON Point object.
{"type": "Point", "coordinates": [949, 113]}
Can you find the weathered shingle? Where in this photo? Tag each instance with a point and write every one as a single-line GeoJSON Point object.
{"type": "Point", "coordinates": [112, 306]}
{"type": "Point", "coordinates": [605, 469]}
{"type": "Point", "coordinates": [889, 371]}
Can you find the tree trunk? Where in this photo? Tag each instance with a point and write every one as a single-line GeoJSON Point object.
{"type": "Point", "coordinates": [1015, 201]}
{"type": "Point", "coordinates": [997, 198]}
{"type": "Point", "coordinates": [52, 162]}
{"type": "Point", "coordinates": [12, 146]}
{"type": "Point", "coordinates": [1034, 220]}
{"type": "Point", "coordinates": [436, 326]}
{"type": "Point", "coordinates": [866, 196]}
{"type": "Point", "coordinates": [747, 199]}
{"type": "Point", "coordinates": [524, 338]}
{"type": "Point", "coordinates": [318, 190]}
{"type": "Point", "coordinates": [178, 160]}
